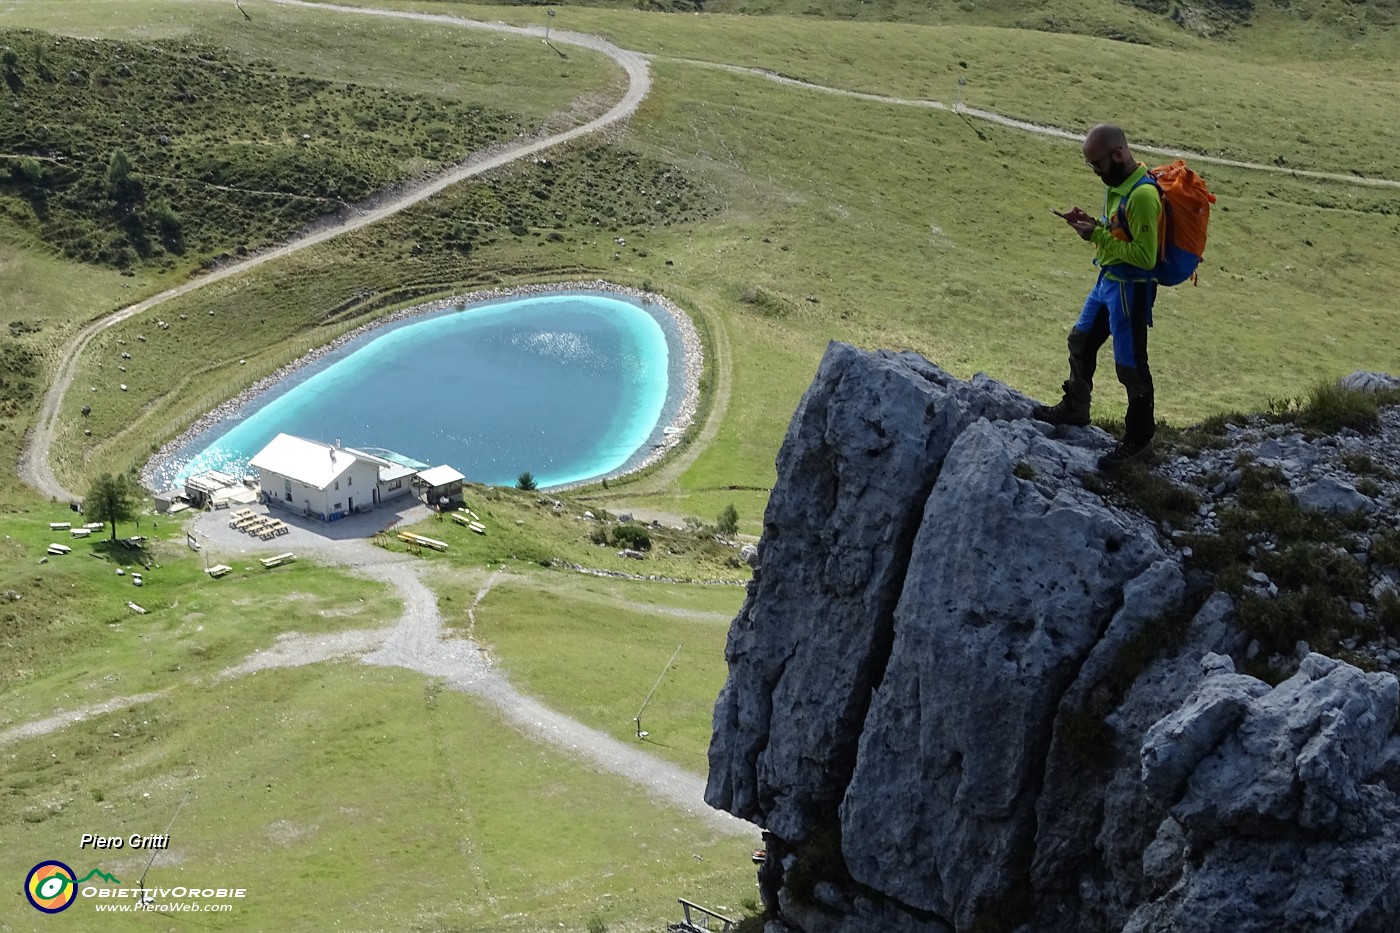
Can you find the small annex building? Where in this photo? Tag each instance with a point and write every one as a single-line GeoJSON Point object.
{"type": "Point", "coordinates": [326, 481]}
{"type": "Point", "coordinates": [212, 489]}
{"type": "Point", "coordinates": [439, 486]}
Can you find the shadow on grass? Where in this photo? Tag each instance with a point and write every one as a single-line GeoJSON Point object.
{"type": "Point", "coordinates": [122, 551]}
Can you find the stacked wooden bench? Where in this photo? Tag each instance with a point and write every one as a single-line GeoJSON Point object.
{"type": "Point", "coordinates": [260, 526]}
{"type": "Point", "coordinates": [468, 521]}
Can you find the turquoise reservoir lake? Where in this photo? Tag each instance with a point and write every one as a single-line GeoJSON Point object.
{"type": "Point", "coordinates": [569, 386]}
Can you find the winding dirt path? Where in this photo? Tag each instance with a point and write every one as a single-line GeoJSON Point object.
{"type": "Point", "coordinates": [1038, 129]}
{"type": "Point", "coordinates": [34, 467]}
{"type": "Point", "coordinates": [418, 642]}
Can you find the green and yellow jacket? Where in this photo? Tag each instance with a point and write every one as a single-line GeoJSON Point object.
{"type": "Point", "coordinates": [1129, 239]}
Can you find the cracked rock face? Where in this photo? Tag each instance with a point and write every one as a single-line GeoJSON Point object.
{"type": "Point", "coordinates": [1010, 584]}
{"type": "Point", "coordinates": [952, 706]}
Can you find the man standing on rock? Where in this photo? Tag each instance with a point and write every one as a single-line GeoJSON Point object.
{"type": "Point", "coordinates": [1120, 304]}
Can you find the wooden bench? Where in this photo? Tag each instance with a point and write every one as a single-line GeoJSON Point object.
{"type": "Point", "coordinates": [60, 526]}
{"type": "Point", "coordinates": [280, 559]}
{"type": "Point", "coordinates": [78, 532]}
{"type": "Point", "coordinates": [94, 526]}
{"type": "Point", "coordinates": [412, 538]}
{"type": "Point", "coordinates": [218, 570]}
{"type": "Point", "coordinates": [135, 608]}
{"type": "Point", "coordinates": [59, 549]}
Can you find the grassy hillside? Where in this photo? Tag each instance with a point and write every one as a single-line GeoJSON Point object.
{"type": "Point", "coordinates": [185, 165]}
{"type": "Point", "coordinates": [780, 217]}
{"type": "Point", "coordinates": [358, 798]}
{"type": "Point", "coordinates": [734, 156]}
{"type": "Point", "coordinates": [1267, 28]}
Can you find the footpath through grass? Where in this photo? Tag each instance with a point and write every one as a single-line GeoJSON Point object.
{"type": "Point", "coordinates": [354, 798]}
{"type": "Point", "coordinates": [594, 648]}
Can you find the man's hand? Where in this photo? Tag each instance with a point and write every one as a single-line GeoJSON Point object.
{"type": "Point", "coordinates": [1082, 222]}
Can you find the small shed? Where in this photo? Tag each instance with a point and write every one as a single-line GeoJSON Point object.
{"type": "Point", "coordinates": [215, 489]}
{"type": "Point", "coordinates": [439, 483]}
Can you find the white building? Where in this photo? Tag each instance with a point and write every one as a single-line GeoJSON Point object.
{"type": "Point", "coordinates": [324, 480]}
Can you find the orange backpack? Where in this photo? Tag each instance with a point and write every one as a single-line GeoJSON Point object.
{"type": "Point", "coordinates": [1186, 205]}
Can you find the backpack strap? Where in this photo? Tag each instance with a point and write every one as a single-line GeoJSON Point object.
{"type": "Point", "coordinates": [1122, 213]}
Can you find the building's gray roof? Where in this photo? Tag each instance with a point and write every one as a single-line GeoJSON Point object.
{"type": "Point", "coordinates": [440, 476]}
{"type": "Point", "coordinates": [314, 463]}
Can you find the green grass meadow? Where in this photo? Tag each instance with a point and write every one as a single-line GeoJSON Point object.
{"type": "Point", "coordinates": [349, 797]}
{"type": "Point", "coordinates": [609, 642]}
{"type": "Point", "coordinates": [524, 529]}
{"type": "Point", "coordinates": [70, 639]}
{"type": "Point", "coordinates": [780, 217]}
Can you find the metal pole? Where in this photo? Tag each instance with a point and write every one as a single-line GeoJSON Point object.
{"type": "Point", "coordinates": [141, 882]}
{"type": "Point", "coordinates": [640, 733]}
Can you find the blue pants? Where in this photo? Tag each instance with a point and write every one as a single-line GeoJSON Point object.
{"type": "Point", "coordinates": [1123, 311]}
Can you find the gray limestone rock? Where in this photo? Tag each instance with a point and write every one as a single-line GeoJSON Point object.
{"type": "Point", "coordinates": [811, 641]}
{"type": "Point", "coordinates": [1011, 583]}
{"type": "Point", "coordinates": [1178, 743]}
{"type": "Point", "coordinates": [1333, 496]}
{"type": "Point", "coordinates": [1370, 381]}
{"type": "Point", "coordinates": [971, 689]}
{"type": "Point", "coordinates": [1295, 828]}
{"type": "Point", "coordinates": [1295, 755]}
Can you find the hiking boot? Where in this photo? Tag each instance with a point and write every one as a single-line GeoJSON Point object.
{"type": "Point", "coordinates": [1063, 413]}
{"type": "Point", "coordinates": [1125, 451]}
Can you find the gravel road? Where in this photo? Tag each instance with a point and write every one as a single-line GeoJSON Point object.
{"type": "Point", "coordinates": [417, 642]}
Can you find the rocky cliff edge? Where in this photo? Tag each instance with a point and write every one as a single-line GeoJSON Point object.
{"type": "Point", "coordinates": [974, 687]}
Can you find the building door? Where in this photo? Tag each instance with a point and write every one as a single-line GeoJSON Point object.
{"type": "Point", "coordinates": [350, 504]}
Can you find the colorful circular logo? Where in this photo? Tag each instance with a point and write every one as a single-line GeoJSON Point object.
{"type": "Point", "coordinates": [51, 887]}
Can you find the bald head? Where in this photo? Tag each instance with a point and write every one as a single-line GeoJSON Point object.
{"type": "Point", "coordinates": [1106, 152]}
{"type": "Point", "coordinates": [1105, 136]}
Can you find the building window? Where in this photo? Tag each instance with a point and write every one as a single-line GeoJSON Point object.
{"type": "Point", "coordinates": [337, 484]}
{"type": "Point", "coordinates": [395, 484]}
{"type": "Point", "coordinates": [338, 506]}
{"type": "Point", "coordinates": [288, 484]}
{"type": "Point", "coordinates": [289, 497]}
{"type": "Point", "coordinates": [349, 480]}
